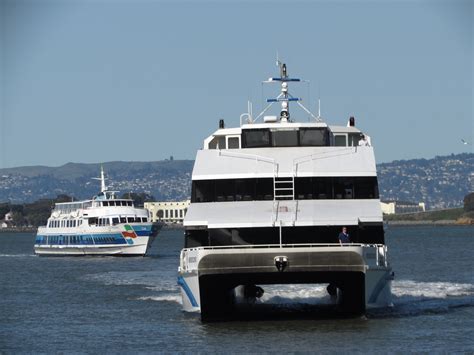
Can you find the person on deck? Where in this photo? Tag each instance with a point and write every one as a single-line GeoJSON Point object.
{"type": "Point", "coordinates": [344, 236]}
{"type": "Point", "coordinates": [364, 142]}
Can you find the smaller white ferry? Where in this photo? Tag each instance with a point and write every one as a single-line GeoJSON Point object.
{"type": "Point", "coordinates": [104, 225]}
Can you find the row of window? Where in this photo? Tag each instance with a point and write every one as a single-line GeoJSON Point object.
{"type": "Point", "coordinates": [260, 138]}
{"type": "Point", "coordinates": [69, 223]}
{"type": "Point", "coordinates": [106, 221]}
{"type": "Point", "coordinates": [80, 239]}
{"type": "Point", "coordinates": [302, 137]}
{"type": "Point", "coordinates": [369, 234]}
{"type": "Point", "coordinates": [116, 203]}
{"type": "Point", "coordinates": [71, 207]}
{"type": "Point", "coordinates": [305, 188]}
{"type": "Point", "coordinates": [94, 221]}
{"type": "Point", "coordinates": [65, 208]}
{"type": "Point", "coordinates": [171, 213]}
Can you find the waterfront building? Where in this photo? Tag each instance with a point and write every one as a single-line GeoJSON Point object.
{"type": "Point", "coordinates": [167, 212]}
{"type": "Point", "coordinates": [396, 207]}
{"type": "Point", "coordinates": [7, 221]}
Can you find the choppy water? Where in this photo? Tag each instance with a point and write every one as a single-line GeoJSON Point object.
{"type": "Point", "coordinates": [109, 304]}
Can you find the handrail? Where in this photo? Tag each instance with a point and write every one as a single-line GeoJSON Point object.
{"type": "Point", "coordinates": [247, 156]}
{"type": "Point", "coordinates": [267, 246]}
{"type": "Point", "coordinates": [320, 155]}
{"type": "Point", "coordinates": [252, 156]}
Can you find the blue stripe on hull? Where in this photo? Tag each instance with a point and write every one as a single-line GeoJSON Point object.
{"type": "Point", "coordinates": [187, 290]}
{"type": "Point", "coordinates": [143, 233]}
{"type": "Point", "coordinates": [86, 239]}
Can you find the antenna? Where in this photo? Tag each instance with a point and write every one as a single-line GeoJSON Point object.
{"type": "Point", "coordinates": [319, 107]}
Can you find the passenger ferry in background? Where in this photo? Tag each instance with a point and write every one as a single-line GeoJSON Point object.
{"type": "Point", "coordinates": [105, 225]}
{"type": "Point", "coordinates": [269, 200]}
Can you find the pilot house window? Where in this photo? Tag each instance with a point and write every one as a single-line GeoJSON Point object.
{"type": "Point", "coordinates": [302, 137]}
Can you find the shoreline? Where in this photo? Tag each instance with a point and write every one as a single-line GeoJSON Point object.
{"type": "Point", "coordinates": [34, 229]}
{"type": "Point", "coordinates": [389, 223]}
{"type": "Point", "coordinates": [19, 230]}
{"type": "Point", "coordinates": [447, 222]}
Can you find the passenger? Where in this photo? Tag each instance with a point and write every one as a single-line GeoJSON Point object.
{"type": "Point", "coordinates": [364, 141]}
{"type": "Point", "coordinates": [344, 236]}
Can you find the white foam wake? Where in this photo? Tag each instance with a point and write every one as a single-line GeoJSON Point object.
{"type": "Point", "coordinates": [149, 279]}
{"type": "Point", "coordinates": [163, 298]}
{"type": "Point", "coordinates": [295, 294]}
{"type": "Point", "coordinates": [418, 289]}
{"type": "Point", "coordinates": [15, 255]}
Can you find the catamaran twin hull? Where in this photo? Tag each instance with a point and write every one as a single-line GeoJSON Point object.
{"type": "Point", "coordinates": [213, 279]}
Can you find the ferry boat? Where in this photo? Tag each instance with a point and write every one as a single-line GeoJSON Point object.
{"type": "Point", "coordinates": [104, 225]}
{"type": "Point", "coordinates": [269, 199]}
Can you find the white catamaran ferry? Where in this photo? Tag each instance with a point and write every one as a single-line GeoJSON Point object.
{"type": "Point", "coordinates": [104, 225]}
{"type": "Point", "coordinates": [269, 200]}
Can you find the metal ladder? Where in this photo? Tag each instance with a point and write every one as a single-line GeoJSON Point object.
{"type": "Point", "coordinates": [284, 188]}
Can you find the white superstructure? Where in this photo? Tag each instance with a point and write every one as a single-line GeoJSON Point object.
{"type": "Point", "coordinates": [104, 225]}
{"type": "Point", "coordinates": [268, 202]}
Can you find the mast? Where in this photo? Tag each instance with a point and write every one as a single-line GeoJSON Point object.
{"type": "Point", "coordinates": [284, 97]}
{"type": "Point", "coordinates": [103, 188]}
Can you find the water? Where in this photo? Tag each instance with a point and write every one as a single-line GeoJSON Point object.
{"type": "Point", "coordinates": [109, 304]}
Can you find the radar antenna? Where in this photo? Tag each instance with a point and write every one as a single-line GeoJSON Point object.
{"type": "Point", "coordinates": [284, 97]}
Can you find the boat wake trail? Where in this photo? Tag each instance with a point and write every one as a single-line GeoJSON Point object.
{"type": "Point", "coordinates": [165, 290]}
{"type": "Point", "coordinates": [413, 298]}
{"type": "Point", "coordinates": [120, 278]}
{"type": "Point", "coordinates": [15, 255]}
{"type": "Point", "coordinates": [176, 298]}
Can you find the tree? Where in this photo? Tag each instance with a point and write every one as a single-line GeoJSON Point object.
{"type": "Point", "coordinates": [18, 219]}
{"type": "Point", "coordinates": [469, 202]}
{"type": "Point", "coordinates": [4, 209]}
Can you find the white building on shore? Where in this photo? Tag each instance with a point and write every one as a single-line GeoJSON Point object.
{"type": "Point", "coordinates": [167, 212]}
{"type": "Point", "coordinates": [396, 207]}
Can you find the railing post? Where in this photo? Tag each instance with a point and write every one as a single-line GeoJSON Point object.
{"type": "Point", "coordinates": [280, 236]}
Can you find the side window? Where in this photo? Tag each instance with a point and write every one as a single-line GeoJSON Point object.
{"type": "Point", "coordinates": [217, 142]}
{"type": "Point", "coordinates": [255, 138]}
{"type": "Point", "coordinates": [233, 142]}
{"type": "Point", "coordinates": [340, 141]}
{"type": "Point", "coordinates": [354, 139]}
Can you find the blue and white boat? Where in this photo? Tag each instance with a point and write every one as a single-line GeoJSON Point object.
{"type": "Point", "coordinates": [104, 225]}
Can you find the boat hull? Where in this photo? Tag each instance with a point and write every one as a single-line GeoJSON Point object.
{"type": "Point", "coordinates": [139, 249]}
{"type": "Point", "coordinates": [210, 278]}
{"type": "Point", "coordinates": [120, 240]}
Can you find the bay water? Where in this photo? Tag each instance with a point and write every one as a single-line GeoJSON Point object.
{"type": "Point", "coordinates": [124, 305]}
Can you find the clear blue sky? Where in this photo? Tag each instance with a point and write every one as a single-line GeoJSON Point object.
{"type": "Point", "coordinates": [95, 81]}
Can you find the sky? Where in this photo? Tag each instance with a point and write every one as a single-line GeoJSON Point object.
{"type": "Point", "coordinates": [99, 80]}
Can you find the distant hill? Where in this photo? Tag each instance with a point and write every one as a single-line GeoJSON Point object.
{"type": "Point", "coordinates": [441, 182]}
{"type": "Point", "coordinates": [165, 180]}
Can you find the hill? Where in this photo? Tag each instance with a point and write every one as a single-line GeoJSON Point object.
{"type": "Point", "coordinates": [441, 182]}
{"type": "Point", "coordinates": [165, 180]}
